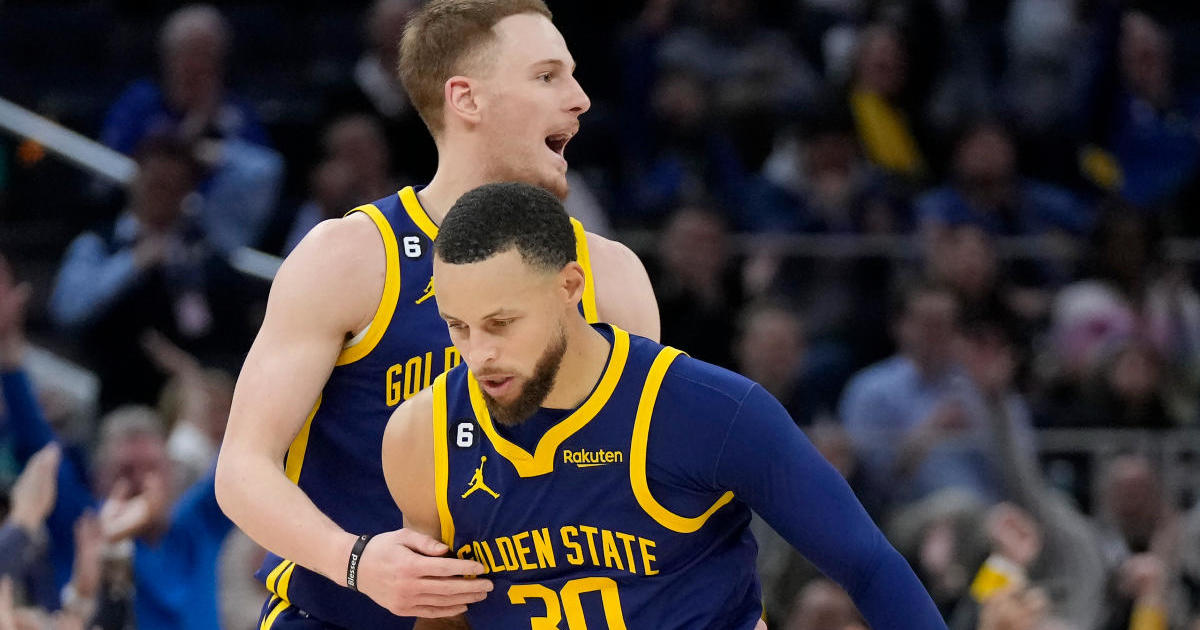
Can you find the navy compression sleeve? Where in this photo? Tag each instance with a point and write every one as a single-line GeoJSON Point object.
{"type": "Point", "coordinates": [771, 466]}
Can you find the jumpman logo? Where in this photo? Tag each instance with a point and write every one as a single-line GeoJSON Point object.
{"type": "Point", "coordinates": [428, 292]}
{"type": "Point", "coordinates": [477, 481]}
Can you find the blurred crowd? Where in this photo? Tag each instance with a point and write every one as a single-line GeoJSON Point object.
{"type": "Point", "coordinates": [928, 377]}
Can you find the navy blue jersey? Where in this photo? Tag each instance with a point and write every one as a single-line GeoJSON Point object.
{"type": "Point", "coordinates": [335, 458]}
{"type": "Point", "coordinates": [632, 511]}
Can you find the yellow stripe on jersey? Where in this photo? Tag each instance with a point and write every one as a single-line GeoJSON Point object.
{"type": "Point", "coordinates": [391, 291]}
{"type": "Point", "coordinates": [542, 461]}
{"type": "Point", "coordinates": [269, 620]}
{"type": "Point", "coordinates": [590, 313]}
{"type": "Point", "coordinates": [441, 461]}
{"type": "Point", "coordinates": [274, 574]}
{"type": "Point", "coordinates": [295, 453]}
{"type": "Point", "coordinates": [285, 579]}
{"type": "Point", "coordinates": [412, 205]}
{"type": "Point", "coordinates": [637, 454]}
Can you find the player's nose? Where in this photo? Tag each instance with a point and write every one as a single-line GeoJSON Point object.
{"type": "Point", "coordinates": [578, 103]}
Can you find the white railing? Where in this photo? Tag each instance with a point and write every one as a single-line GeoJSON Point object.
{"type": "Point", "coordinates": [100, 160]}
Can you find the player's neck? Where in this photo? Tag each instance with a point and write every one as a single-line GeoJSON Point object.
{"type": "Point", "coordinates": [450, 182]}
{"type": "Point", "coordinates": [581, 368]}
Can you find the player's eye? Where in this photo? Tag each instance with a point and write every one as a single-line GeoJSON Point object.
{"type": "Point", "coordinates": [456, 326]}
{"type": "Point", "coordinates": [546, 76]}
{"type": "Point", "coordinates": [501, 323]}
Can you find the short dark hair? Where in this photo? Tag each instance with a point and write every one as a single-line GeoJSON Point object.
{"type": "Point", "coordinates": [497, 217]}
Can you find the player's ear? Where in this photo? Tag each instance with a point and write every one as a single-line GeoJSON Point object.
{"type": "Point", "coordinates": [572, 280]}
{"type": "Point", "coordinates": [462, 99]}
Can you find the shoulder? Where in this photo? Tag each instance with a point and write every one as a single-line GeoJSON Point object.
{"type": "Point", "coordinates": [704, 389]}
{"type": "Point", "coordinates": [340, 264]}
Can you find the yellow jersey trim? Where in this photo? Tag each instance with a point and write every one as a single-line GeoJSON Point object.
{"type": "Point", "coordinates": [590, 312]}
{"type": "Point", "coordinates": [412, 205]}
{"type": "Point", "coordinates": [391, 291]}
{"type": "Point", "coordinates": [637, 454]}
{"type": "Point", "coordinates": [542, 460]}
{"type": "Point", "coordinates": [273, 576]}
{"type": "Point", "coordinates": [441, 461]}
{"type": "Point", "coordinates": [295, 454]}
{"type": "Point", "coordinates": [269, 620]}
{"type": "Point", "coordinates": [285, 579]}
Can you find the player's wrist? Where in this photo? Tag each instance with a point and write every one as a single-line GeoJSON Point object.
{"type": "Point", "coordinates": [334, 566]}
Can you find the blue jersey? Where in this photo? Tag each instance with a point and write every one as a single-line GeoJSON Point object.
{"type": "Point", "coordinates": [335, 458]}
{"type": "Point", "coordinates": [632, 511]}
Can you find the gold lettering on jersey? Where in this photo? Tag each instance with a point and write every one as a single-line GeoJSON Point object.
{"type": "Point", "coordinates": [405, 379]}
{"type": "Point", "coordinates": [587, 459]}
{"type": "Point", "coordinates": [539, 549]}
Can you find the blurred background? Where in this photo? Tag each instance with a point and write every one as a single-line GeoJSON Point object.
{"type": "Point", "coordinates": [957, 239]}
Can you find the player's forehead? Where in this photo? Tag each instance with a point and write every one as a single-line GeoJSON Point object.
{"type": "Point", "coordinates": [526, 39]}
{"type": "Point", "coordinates": [503, 282]}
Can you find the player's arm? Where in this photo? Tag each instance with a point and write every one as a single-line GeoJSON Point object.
{"type": "Point", "coordinates": [328, 288]}
{"type": "Point", "coordinates": [408, 470]}
{"type": "Point", "coordinates": [769, 464]}
{"type": "Point", "coordinates": [623, 293]}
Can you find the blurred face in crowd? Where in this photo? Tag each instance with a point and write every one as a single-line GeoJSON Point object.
{"type": "Point", "coordinates": [195, 44]}
{"type": "Point", "coordinates": [159, 190]}
{"type": "Point", "coordinates": [1135, 374]}
{"type": "Point", "coordinates": [882, 65]}
{"type": "Point", "coordinates": [385, 26]}
{"type": "Point", "coordinates": [528, 102]}
{"type": "Point", "coordinates": [508, 319]}
{"type": "Point", "coordinates": [964, 258]}
{"type": "Point", "coordinates": [680, 104]}
{"type": "Point", "coordinates": [985, 166]}
{"type": "Point", "coordinates": [1133, 498]}
{"type": "Point", "coordinates": [822, 605]}
{"type": "Point", "coordinates": [1145, 53]}
{"type": "Point", "coordinates": [694, 247]}
{"type": "Point", "coordinates": [771, 348]}
{"type": "Point", "coordinates": [358, 142]}
{"type": "Point", "coordinates": [133, 458]}
{"type": "Point", "coordinates": [929, 329]}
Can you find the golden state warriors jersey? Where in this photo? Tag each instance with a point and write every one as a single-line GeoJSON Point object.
{"type": "Point", "coordinates": [335, 458]}
{"type": "Point", "coordinates": [584, 520]}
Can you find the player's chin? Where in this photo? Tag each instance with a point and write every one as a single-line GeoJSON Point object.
{"type": "Point", "coordinates": [556, 183]}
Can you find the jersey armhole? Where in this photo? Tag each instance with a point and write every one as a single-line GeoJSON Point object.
{"type": "Point", "coordinates": [583, 256]}
{"type": "Point", "coordinates": [637, 454]}
{"type": "Point", "coordinates": [441, 461]}
{"type": "Point", "coordinates": [365, 341]}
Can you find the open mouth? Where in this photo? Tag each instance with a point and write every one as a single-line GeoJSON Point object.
{"type": "Point", "coordinates": [558, 142]}
{"type": "Point", "coordinates": [495, 386]}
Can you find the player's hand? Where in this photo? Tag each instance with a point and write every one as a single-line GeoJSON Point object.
{"type": "Point", "coordinates": [34, 493]}
{"type": "Point", "coordinates": [402, 571]}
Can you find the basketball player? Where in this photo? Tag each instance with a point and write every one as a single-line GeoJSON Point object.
{"type": "Point", "coordinates": [617, 476]}
{"type": "Point", "coordinates": [351, 329]}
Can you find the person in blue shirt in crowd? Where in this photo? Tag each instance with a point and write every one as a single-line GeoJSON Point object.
{"type": "Point", "coordinates": [173, 543]}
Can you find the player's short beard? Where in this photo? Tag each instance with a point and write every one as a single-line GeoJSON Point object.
{"type": "Point", "coordinates": [534, 393]}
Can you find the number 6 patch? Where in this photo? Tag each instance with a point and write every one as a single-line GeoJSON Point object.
{"type": "Point", "coordinates": [465, 435]}
{"type": "Point", "coordinates": [412, 246]}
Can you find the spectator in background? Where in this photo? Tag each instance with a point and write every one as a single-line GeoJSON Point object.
{"type": "Point", "coordinates": [680, 154]}
{"type": "Point", "coordinates": [817, 181]}
{"type": "Point", "coordinates": [771, 349]}
{"type": "Point", "coordinates": [886, 131]}
{"type": "Point", "coordinates": [823, 605]}
{"type": "Point", "coordinates": [988, 191]}
{"type": "Point", "coordinates": [1153, 130]}
{"type": "Point", "coordinates": [1127, 296]}
{"type": "Point", "coordinates": [917, 419]}
{"type": "Point", "coordinates": [242, 177]}
{"type": "Point", "coordinates": [373, 89]}
{"type": "Point", "coordinates": [1142, 550]}
{"type": "Point", "coordinates": [356, 168]}
{"type": "Point", "coordinates": [698, 286]}
{"type": "Point", "coordinates": [152, 268]}
{"type": "Point", "coordinates": [22, 532]}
